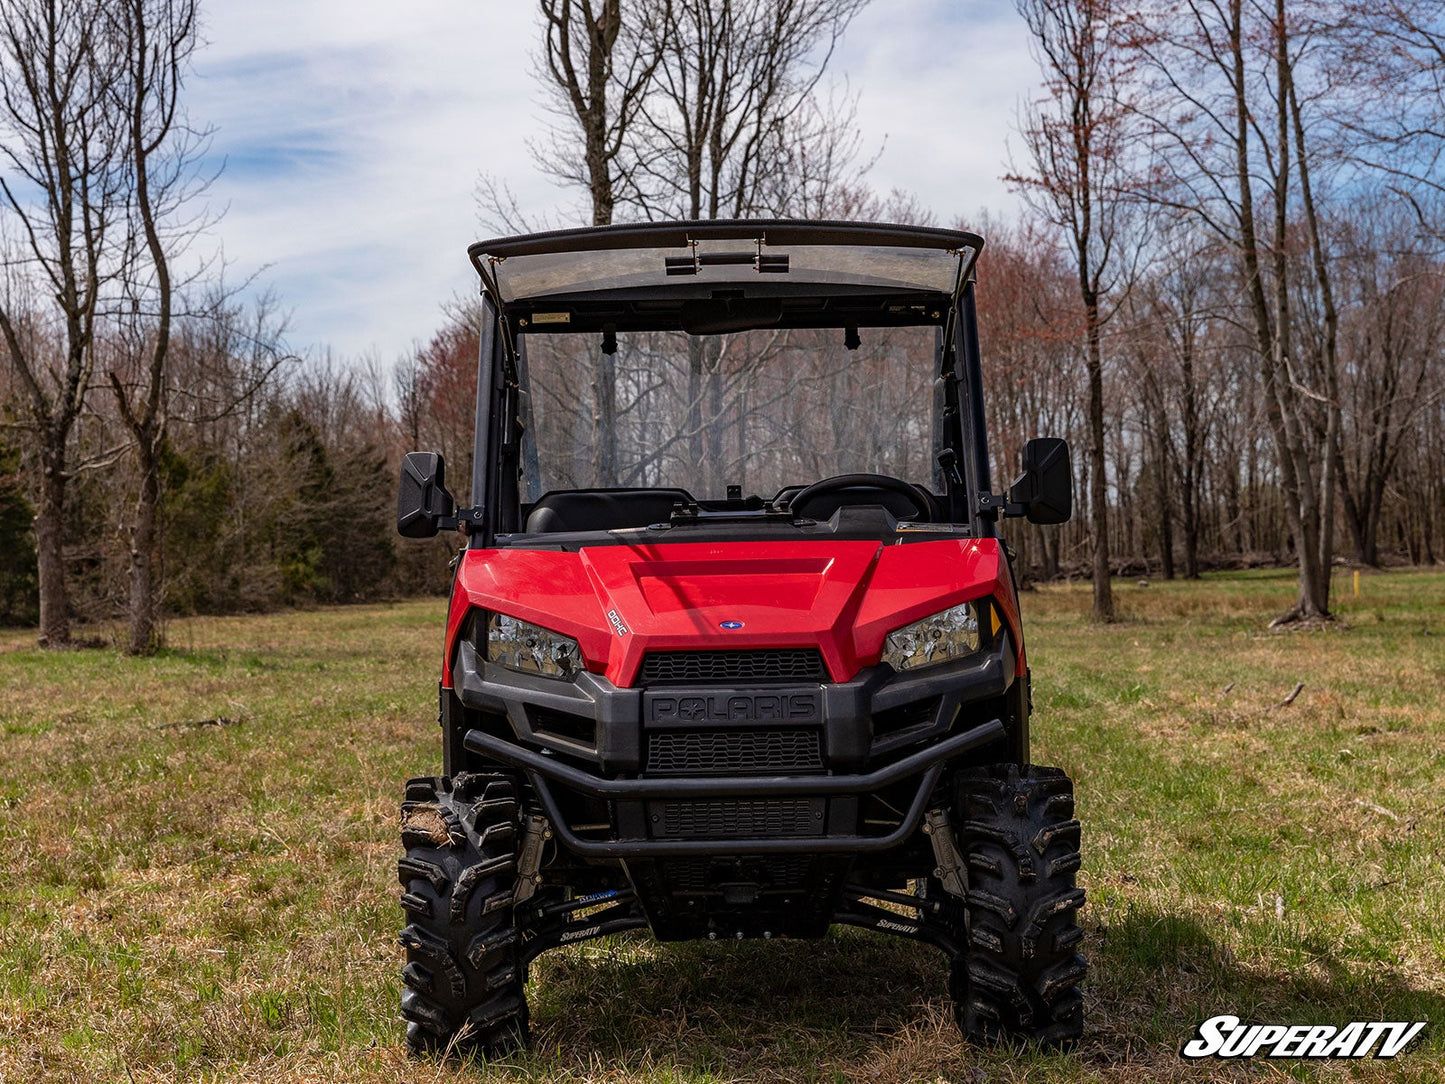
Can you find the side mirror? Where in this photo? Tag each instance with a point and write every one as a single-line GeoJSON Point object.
{"type": "Point", "coordinates": [422, 501]}
{"type": "Point", "coordinates": [1045, 490]}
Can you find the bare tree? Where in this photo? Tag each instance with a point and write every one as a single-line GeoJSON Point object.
{"type": "Point", "coordinates": [1032, 378]}
{"type": "Point", "coordinates": [62, 219]}
{"type": "Point", "coordinates": [154, 40]}
{"type": "Point", "coordinates": [446, 389]}
{"type": "Point", "coordinates": [735, 92]}
{"type": "Point", "coordinates": [1178, 307]}
{"type": "Point", "coordinates": [691, 109]}
{"type": "Point", "coordinates": [1235, 154]}
{"type": "Point", "coordinates": [734, 102]}
{"type": "Point", "coordinates": [1393, 340]}
{"type": "Point", "coordinates": [1076, 140]}
{"type": "Point", "coordinates": [1400, 123]}
{"type": "Point", "coordinates": [601, 65]}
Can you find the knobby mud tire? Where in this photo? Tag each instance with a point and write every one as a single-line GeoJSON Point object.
{"type": "Point", "coordinates": [462, 983]}
{"type": "Point", "coordinates": [1018, 976]}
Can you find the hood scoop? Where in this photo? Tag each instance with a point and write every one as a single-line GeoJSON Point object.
{"type": "Point", "coordinates": [784, 584]}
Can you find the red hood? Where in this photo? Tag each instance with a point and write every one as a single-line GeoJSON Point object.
{"type": "Point", "coordinates": [620, 602]}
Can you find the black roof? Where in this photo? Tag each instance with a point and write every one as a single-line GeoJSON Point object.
{"type": "Point", "coordinates": [779, 231]}
{"type": "Point", "coordinates": [642, 276]}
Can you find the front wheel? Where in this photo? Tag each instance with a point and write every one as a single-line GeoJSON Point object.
{"type": "Point", "coordinates": [463, 976]}
{"type": "Point", "coordinates": [1017, 976]}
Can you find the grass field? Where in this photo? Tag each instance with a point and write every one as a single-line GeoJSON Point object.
{"type": "Point", "coordinates": [198, 880]}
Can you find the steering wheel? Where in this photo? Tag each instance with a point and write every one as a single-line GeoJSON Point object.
{"type": "Point", "coordinates": [862, 481]}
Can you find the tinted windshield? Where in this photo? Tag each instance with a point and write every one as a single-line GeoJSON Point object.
{"type": "Point", "coordinates": [689, 259]}
{"type": "Point", "coordinates": [763, 410]}
{"type": "Point", "coordinates": [656, 269]}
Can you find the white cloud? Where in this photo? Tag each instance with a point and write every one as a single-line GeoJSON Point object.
{"type": "Point", "coordinates": [941, 80]}
{"type": "Point", "coordinates": [354, 134]}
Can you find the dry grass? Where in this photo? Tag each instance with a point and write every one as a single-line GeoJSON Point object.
{"type": "Point", "coordinates": [199, 879]}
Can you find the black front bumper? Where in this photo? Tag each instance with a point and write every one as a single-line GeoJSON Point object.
{"type": "Point", "coordinates": [543, 771]}
{"type": "Point", "coordinates": [587, 743]}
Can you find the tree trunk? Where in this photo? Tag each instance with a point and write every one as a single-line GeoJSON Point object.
{"type": "Point", "coordinates": [1191, 538]}
{"type": "Point", "coordinates": [1429, 538]}
{"type": "Point", "coordinates": [1166, 528]}
{"type": "Point", "coordinates": [1328, 362]}
{"type": "Point", "coordinates": [717, 465]}
{"type": "Point", "coordinates": [1048, 552]}
{"type": "Point", "coordinates": [1354, 521]}
{"type": "Point", "coordinates": [1302, 498]}
{"type": "Point", "coordinates": [158, 40]}
{"type": "Point", "coordinates": [695, 445]}
{"type": "Point", "coordinates": [1272, 322]}
{"type": "Point", "coordinates": [604, 421]}
{"type": "Point", "coordinates": [1098, 490]}
{"type": "Point", "coordinates": [50, 553]}
{"type": "Point", "coordinates": [144, 635]}
{"type": "Point", "coordinates": [1155, 418]}
{"type": "Point", "coordinates": [1193, 461]}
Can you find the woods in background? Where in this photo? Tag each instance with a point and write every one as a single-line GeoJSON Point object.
{"type": "Point", "coordinates": [1192, 476]}
{"type": "Point", "coordinates": [1227, 292]}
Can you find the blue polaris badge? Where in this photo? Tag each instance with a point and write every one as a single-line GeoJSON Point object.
{"type": "Point", "coordinates": [729, 624]}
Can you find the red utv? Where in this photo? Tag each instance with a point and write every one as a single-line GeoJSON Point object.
{"type": "Point", "coordinates": [734, 647]}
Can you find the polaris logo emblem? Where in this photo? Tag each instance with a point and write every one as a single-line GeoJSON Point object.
{"type": "Point", "coordinates": [735, 707]}
{"type": "Point", "coordinates": [729, 625]}
{"type": "Point", "coordinates": [618, 625]}
{"type": "Point", "coordinates": [578, 935]}
{"type": "Point", "coordinates": [1226, 1037]}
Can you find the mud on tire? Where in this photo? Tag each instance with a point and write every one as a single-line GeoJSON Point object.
{"type": "Point", "coordinates": [462, 983]}
{"type": "Point", "coordinates": [1017, 978]}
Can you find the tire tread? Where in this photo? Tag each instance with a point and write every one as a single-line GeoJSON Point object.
{"type": "Point", "coordinates": [1018, 975]}
{"type": "Point", "coordinates": [463, 978]}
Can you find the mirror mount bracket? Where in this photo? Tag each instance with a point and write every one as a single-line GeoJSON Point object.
{"type": "Point", "coordinates": [466, 520]}
{"type": "Point", "coordinates": [991, 505]}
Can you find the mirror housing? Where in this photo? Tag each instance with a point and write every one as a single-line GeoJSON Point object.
{"type": "Point", "coordinates": [422, 501]}
{"type": "Point", "coordinates": [1044, 492]}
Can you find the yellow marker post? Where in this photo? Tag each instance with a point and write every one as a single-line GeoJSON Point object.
{"type": "Point", "coordinates": [1357, 583]}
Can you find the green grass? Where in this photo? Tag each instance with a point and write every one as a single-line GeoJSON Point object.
{"type": "Point", "coordinates": [199, 859]}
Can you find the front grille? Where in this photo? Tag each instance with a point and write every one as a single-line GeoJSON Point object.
{"type": "Point", "coordinates": [733, 752]}
{"type": "Point", "coordinates": [742, 818]}
{"type": "Point", "coordinates": [732, 667]}
{"type": "Point", "coordinates": [694, 876]}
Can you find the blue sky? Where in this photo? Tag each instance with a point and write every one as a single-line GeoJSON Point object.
{"type": "Point", "coordinates": [354, 132]}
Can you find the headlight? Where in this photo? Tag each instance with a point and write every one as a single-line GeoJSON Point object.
{"type": "Point", "coordinates": [942, 637]}
{"type": "Point", "coordinates": [520, 645]}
